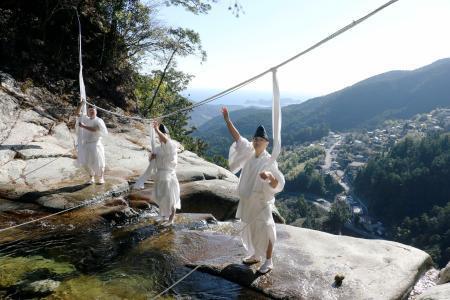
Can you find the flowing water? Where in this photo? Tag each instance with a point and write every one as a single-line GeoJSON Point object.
{"type": "Point", "coordinates": [101, 260]}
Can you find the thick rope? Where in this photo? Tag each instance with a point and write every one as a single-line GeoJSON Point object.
{"type": "Point", "coordinates": [337, 33]}
{"type": "Point", "coordinates": [210, 99]}
{"type": "Point", "coordinates": [244, 83]}
{"type": "Point", "coordinates": [177, 282]}
{"type": "Point", "coordinates": [51, 215]}
{"type": "Point", "coordinates": [199, 266]}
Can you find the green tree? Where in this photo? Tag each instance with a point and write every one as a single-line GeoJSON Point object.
{"type": "Point", "coordinates": [169, 100]}
{"type": "Point", "coordinates": [430, 232]}
{"type": "Point", "coordinates": [338, 216]}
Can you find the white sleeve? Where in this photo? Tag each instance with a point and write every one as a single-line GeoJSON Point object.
{"type": "Point", "coordinates": [170, 147]}
{"type": "Point", "coordinates": [168, 153]}
{"type": "Point", "coordinates": [102, 127]}
{"type": "Point", "coordinates": [273, 168]}
{"type": "Point", "coordinates": [239, 153]}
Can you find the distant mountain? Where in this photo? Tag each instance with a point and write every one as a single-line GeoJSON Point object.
{"type": "Point", "coordinates": [395, 94]}
{"type": "Point", "coordinates": [245, 97]}
{"type": "Point", "coordinates": [206, 112]}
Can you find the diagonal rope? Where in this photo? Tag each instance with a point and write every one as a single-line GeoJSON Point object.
{"type": "Point", "coordinates": [201, 265]}
{"type": "Point", "coordinates": [244, 83]}
{"type": "Point", "coordinates": [248, 81]}
{"type": "Point", "coordinates": [210, 99]}
{"type": "Point", "coordinates": [330, 37]}
{"type": "Point", "coordinates": [86, 203]}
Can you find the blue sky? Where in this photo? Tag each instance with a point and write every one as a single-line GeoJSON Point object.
{"type": "Point", "coordinates": [406, 35]}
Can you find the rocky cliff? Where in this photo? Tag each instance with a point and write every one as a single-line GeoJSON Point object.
{"type": "Point", "coordinates": [38, 176]}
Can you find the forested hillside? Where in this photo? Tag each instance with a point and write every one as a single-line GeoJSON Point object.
{"type": "Point", "coordinates": [408, 188]}
{"type": "Point", "coordinates": [366, 104]}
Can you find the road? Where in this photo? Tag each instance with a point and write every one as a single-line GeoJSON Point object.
{"type": "Point", "coordinates": [328, 151]}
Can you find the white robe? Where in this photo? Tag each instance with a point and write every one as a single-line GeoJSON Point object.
{"type": "Point", "coordinates": [151, 169]}
{"type": "Point", "coordinates": [166, 192]}
{"type": "Point", "coordinates": [91, 153]}
{"type": "Point", "coordinates": [256, 196]}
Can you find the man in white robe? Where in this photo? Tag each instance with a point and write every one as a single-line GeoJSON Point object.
{"type": "Point", "coordinates": [166, 191]}
{"type": "Point", "coordinates": [91, 153]}
{"type": "Point", "coordinates": [259, 181]}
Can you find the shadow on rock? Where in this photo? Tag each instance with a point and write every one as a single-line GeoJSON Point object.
{"type": "Point", "coordinates": [240, 273]}
{"type": "Point", "coordinates": [19, 147]}
{"type": "Point", "coordinates": [31, 196]}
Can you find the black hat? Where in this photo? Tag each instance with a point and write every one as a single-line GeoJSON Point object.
{"type": "Point", "coordinates": [261, 132]}
{"type": "Point", "coordinates": [163, 129]}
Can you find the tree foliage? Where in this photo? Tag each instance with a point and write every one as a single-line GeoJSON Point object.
{"type": "Point", "coordinates": [298, 164]}
{"type": "Point", "coordinates": [409, 179]}
{"type": "Point", "coordinates": [429, 231]}
{"type": "Point", "coordinates": [408, 188]}
{"type": "Point", "coordinates": [169, 100]}
{"type": "Point", "coordinates": [299, 212]}
{"type": "Point", "coordinates": [40, 41]}
{"type": "Point", "coordinates": [338, 216]}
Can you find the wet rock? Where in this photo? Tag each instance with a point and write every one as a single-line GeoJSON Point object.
{"type": "Point", "coordinates": [39, 288]}
{"type": "Point", "coordinates": [30, 268]}
{"type": "Point", "coordinates": [306, 262]}
{"type": "Point", "coordinates": [117, 214]}
{"type": "Point", "coordinates": [8, 205]}
{"type": "Point", "coordinates": [71, 196]}
{"type": "Point", "coordinates": [115, 201]}
{"type": "Point", "coordinates": [142, 195]}
{"type": "Point", "coordinates": [194, 221]}
{"type": "Point", "coordinates": [444, 275]}
{"type": "Point", "coordinates": [17, 216]}
{"type": "Point", "coordinates": [116, 287]}
{"type": "Point", "coordinates": [140, 204]}
{"type": "Point", "coordinates": [438, 292]}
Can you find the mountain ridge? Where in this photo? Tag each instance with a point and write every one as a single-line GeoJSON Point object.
{"type": "Point", "coordinates": [365, 104]}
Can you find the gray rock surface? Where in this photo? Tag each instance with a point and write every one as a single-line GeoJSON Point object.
{"type": "Point", "coordinates": [444, 274]}
{"type": "Point", "coordinates": [35, 132]}
{"type": "Point", "coordinates": [438, 292]}
{"type": "Point", "coordinates": [71, 196]}
{"type": "Point", "coordinates": [306, 262]}
{"type": "Point", "coordinates": [37, 151]}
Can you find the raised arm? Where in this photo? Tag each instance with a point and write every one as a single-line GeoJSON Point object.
{"type": "Point", "coordinates": [80, 105]}
{"type": "Point", "coordinates": [233, 131]}
{"type": "Point", "coordinates": [162, 136]}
